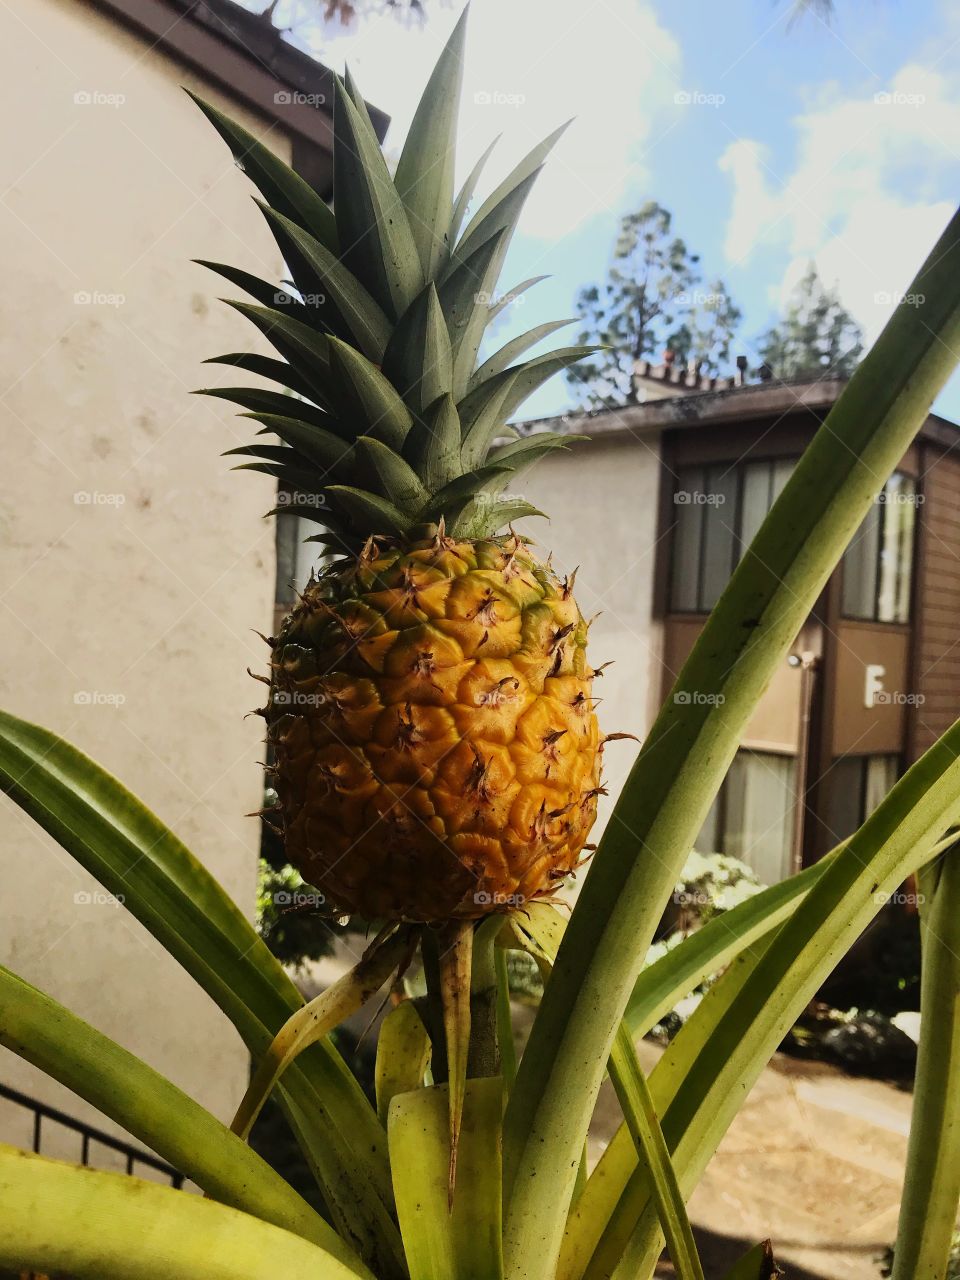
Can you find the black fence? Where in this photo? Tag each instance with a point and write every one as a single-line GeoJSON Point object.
{"type": "Point", "coordinates": [89, 1137]}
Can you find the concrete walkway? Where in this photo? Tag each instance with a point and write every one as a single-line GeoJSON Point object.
{"type": "Point", "coordinates": [814, 1160]}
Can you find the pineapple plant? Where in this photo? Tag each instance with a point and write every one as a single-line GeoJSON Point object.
{"type": "Point", "coordinates": [430, 710]}
{"type": "Point", "coordinates": [437, 667]}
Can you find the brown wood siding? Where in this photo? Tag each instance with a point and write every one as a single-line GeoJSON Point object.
{"type": "Point", "coordinates": [937, 601]}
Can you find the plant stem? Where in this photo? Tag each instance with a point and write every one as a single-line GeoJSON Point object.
{"type": "Point", "coordinates": [484, 1055]}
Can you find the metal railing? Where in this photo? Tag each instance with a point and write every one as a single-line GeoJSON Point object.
{"type": "Point", "coordinates": [89, 1135]}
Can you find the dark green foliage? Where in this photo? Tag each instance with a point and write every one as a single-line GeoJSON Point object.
{"type": "Point", "coordinates": [380, 332]}
{"type": "Point", "coordinates": [817, 337]}
{"type": "Point", "coordinates": [654, 298]}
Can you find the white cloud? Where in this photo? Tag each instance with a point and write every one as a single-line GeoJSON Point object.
{"type": "Point", "coordinates": [864, 199]}
{"type": "Point", "coordinates": [531, 66]}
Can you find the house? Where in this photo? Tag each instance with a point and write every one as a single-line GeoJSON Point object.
{"type": "Point", "coordinates": [134, 566]}
{"type": "Point", "coordinates": [657, 508]}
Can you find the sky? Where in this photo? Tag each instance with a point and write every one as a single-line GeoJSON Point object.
{"type": "Point", "coordinates": [774, 143]}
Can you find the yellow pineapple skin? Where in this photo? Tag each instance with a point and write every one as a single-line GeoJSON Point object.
{"type": "Point", "coordinates": [437, 754]}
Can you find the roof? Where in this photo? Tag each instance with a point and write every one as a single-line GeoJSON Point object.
{"type": "Point", "coordinates": [247, 57]}
{"type": "Point", "coordinates": [732, 405]}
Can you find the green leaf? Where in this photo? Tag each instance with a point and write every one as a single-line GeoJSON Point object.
{"type": "Point", "coordinates": [108, 1226]}
{"type": "Point", "coordinates": [265, 367]}
{"type": "Point", "coordinates": [508, 390]}
{"type": "Point", "coordinates": [424, 176]}
{"type": "Point", "coordinates": [482, 519]}
{"type": "Point", "coordinates": [131, 853]}
{"type": "Point", "coordinates": [296, 342]}
{"type": "Point", "coordinates": [508, 1048]}
{"type": "Point", "coordinates": [267, 294]}
{"type": "Point", "coordinates": [419, 359]}
{"type": "Point", "coordinates": [691, 744]}
{"type": "Point", "coordinates": [434, 444]}
{"type": "Point", "coordinates": [365, 320]}
{"type": "Point", "coordinates": [258, 400]}
{"type": "Point", "coordinates": [514, 349]}
{"type": "Point", "coordinates": [377, 243]}
{"type": "Point", "coordinates": [301, 479]}
{"type": "Point", "coordinates": [466, 192]}
{"type": "Point", "coordinates": [931, 1187]}
{"type": "Point", "coordinates": [370, 396]}
{"type": "Point", "coordinates": [643, 1124]}
{"type": "Point", "coordinates": [156, 1112]}
{"type": "Point", "coordinates": [283, 189]}
{"type": "Point", "coordinates": [486, 218]}
{"type": "Point", "coordinates": [464, 299]}
{"type": "Point", "coordinates": [534, 373]}
{"type": "Point", "coordinates": [315, 1020]}
{"type": "Point", "coordinates": [713, 1062]}
{"type": "Point", "coordinates": [464, 1242]}
{"type": "Point", "coordinates": [481, 417]}
{"type": "Point", "coordinates": [545, 926]}
{"type": "Point", "coordinates": [395, 478]}
{"type": "Point", "coordinates": [522, 453]}
{"type": "Point", "coordinates": [403, 1054]}
{"type": "Point", "coordinates": [368, 511]}
{"type": "Point", "coordinates": [711, 948]}
{"type": "Point", "coordinates": [325, 450]}
{"type": "Point", "coordinates": [453, 496]}
{"type": "Point", "coordinates": [512, 294]}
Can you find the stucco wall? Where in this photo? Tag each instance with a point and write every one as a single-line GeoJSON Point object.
{"type": "Point", "coordinates": [602, 500]}
{"type": "Point", "coordinates": [128, 608]}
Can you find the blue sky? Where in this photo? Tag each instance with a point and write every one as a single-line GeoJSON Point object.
{"type": "Point", "coordinates": [772, 144]}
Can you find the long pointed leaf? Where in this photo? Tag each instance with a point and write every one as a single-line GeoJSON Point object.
{"type": "Point", "coordinates": [505, 299]}
{"type": "Point", "coordinates": [546, 927]}
{"type": "Point", "coordinates": [377, 244]}
{"type": "Point", "coordinates": [931, 1186]}
{"type": "Point", "coordinates": [370, 397]}
{"type": "Point", "coordinates": [513, 349]}
{"type": "Point", "coordinates": [434, 444]}
{"type": "Point", "coordinates": [465, 194]}
{"type": "Point", "coordinates": [279, 185]}
{"type": "Point", "coordinates": [480, 223]}
{"type": "Point", "coordinates": [315, 1021]}
{"type": "Point", "coordinates": [266, 367]}
{"type": "Point", "coordinates": [108, 1226]}
{"type": "Point", "coordinates": [259, 400]}
{"type": "Point", "coordinates": [419, 358]}
{"type": "Point", "coordinates": [424, 175]}
{"type": "Point", "coordinates": [442, 1244]}
{"type": "Point", "coordinates": [156, 1112]}
{"type": "Point", "coordinates": [395, 478]}
{"type": "Point", "coordinates": [691, 744]}
{"type": "Point", "coordinates": [701, 1084]}
{"type": "Point", "coordinates": [131, 853]}
{"type": "Point", "coordinates": [367, 323]}
{"type": "Point", "coordinates": [403, 1054]}
{"type": "Point", "coordinates": [321, 447]}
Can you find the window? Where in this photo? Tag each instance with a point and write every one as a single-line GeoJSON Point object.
{"type": "Point", "coordinates": [753, 815]}
{"type": "Point", "coordinates": [718, 510]}
{"type": "Point", "coordinates": [852, 789]}
{"type": "Point", "coordinates": [296, 558]}
{"type": "Point", "coordinates": [877, 565]}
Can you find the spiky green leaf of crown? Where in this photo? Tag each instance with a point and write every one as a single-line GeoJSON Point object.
{"type": "Point", "coordinates": [391, 424]}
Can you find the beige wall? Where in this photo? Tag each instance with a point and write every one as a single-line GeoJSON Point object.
{"type": "Point", "coordinates": [139, 601]}
{"type": "Point", "coordinates": [602, 500]}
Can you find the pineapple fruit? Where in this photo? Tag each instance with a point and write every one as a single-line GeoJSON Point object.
{"type": "Point", "coordinates": [436, 748]}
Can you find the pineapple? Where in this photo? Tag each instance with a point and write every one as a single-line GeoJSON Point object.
{"type": "Point", "coordinates": [436, 748]}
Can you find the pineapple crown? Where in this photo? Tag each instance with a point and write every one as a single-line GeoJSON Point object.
{"type": "Point", "coordinates": [391, 424]}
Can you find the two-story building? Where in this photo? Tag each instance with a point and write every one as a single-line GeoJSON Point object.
{"type": "Point", "coordinates": [658, 507]}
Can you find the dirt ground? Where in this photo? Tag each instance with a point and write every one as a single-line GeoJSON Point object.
{"type": "Point", "coordinates": [814, 1161]}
